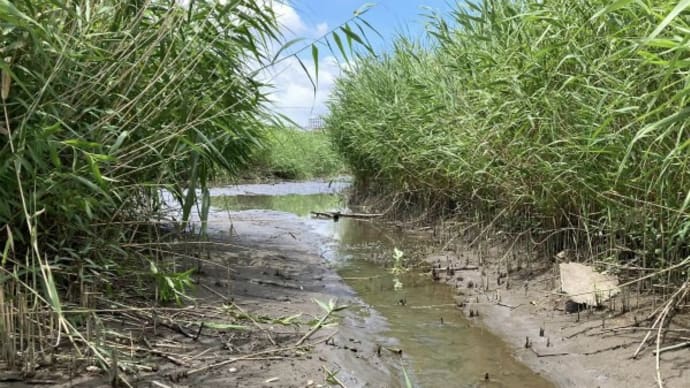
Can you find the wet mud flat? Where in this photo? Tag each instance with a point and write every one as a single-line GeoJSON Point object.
{"type": "Point", "coordinates": [592, 347]}
{"type": "Point", "coordinates": [256, 318]}
{"type": "Point", "coordinates": [426, 334]}
{"type": "Point", "coordinates": [251, 321]}
{"type": "Point", "coordinates": [447, 332]}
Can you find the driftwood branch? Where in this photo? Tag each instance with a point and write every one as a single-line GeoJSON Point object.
{"type": "Point", "coordinates": [335, 215]}
{"type": "Point", "coordinates": [511, 307]}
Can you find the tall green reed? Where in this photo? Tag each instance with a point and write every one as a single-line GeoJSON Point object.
{"type": "Point", "coordinates": [105, 103]}
{"type": "Point", "coordinates": [565, 120]}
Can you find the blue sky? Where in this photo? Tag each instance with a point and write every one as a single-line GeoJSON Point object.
{"type": "Point", "coordinates": [389, 17]}
{"type": "Point", "coordinates": [293, 95]}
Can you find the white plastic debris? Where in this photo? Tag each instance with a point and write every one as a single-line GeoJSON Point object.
{"type": "Point", "coordinates": [584, 285]}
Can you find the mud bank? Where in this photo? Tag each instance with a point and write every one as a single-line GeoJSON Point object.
{"type": "Point", "coordinates": [590, 348]}
{"type": "Point", "coordinates": [251, 320]}
{"type": "Point", "coordinates": [418, 327]}
{"type": "Point", "coordinates": [278, 272]}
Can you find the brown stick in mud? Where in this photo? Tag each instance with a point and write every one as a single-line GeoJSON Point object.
{"type": "Point", "coordinates": [463, 268]}
{"type": "Point", "coordinates": [541, 355]}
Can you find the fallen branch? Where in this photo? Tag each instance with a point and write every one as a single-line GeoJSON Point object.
{"type": "Point", "coordinates": [581, 332]}
{"type": "Point", "coordinates": [508, 306]}
{"type": "Point", "coordinates": [607, 349]}
{"type": "Point", "coordinates": [637, 328]}
{"type": "Point", "coordinates": [614, 347]}
{"type": "Point", "coordinates": [316, 327]}
{"type": "Point", "coordinates": [463, 268]}
{"type": "Point", "coordinates": [161, 353]}
{"type": "Point", "coordinates": [348, 215]}
{"type": "Point", "coordinates": [248, 357]}
{"type": "Point", "coordinates": [235, 359]}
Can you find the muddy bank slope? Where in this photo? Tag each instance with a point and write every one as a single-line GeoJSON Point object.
{"type": "Point", "coordinates": [592, 348]}
{"type": "Point", "coordinates": [277, 270]}
{"type": "Point", "coordinates": [252, 321]}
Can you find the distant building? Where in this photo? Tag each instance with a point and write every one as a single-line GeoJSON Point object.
{"type": "Point", "coordinates": [315, 123]}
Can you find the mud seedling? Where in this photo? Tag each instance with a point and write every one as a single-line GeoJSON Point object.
{"type": "Point", "coordinates": [171, 285]}
{"type": "Point", "coordinates": [332, 377]}
{"type": "Point", "coordinates": [329, 309]}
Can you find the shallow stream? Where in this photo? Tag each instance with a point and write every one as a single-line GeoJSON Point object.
{"type": "Point", "coordinates": [441, 348]}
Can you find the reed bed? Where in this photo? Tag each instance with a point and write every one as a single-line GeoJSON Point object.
{"type": "Point", "coordinates": [561, 125]}
{"type": "Point", "coordinates": [116, 116]}
{"type": "Point", "coordinates": [104, 105]}
{"type": "Point", "coordinates": [293, 154]}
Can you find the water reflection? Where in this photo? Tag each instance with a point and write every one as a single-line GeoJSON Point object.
{"type": "Point", "coordinates": [301, 205]}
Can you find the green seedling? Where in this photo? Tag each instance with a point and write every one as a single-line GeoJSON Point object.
{"type": "Point", "coordinates": [329, 309]}
{"type": "Point", "coordinates": [332, 377]}
{"type": "Point", "coordinates": [171, 286]}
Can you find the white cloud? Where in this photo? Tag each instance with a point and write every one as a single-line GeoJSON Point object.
{"type": "Point", "coordinates": [288, 19]}
{"type": "Point", "coordinates": [293, 93]}
{"type": "Point", "coordinates": [321, 29]}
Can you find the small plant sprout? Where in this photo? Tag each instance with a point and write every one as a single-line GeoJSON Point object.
{"type": "Point", "coordinates": [408, 381]}
{"type": "Point", "coordinates": [325, 321]}
{"type": "Point", "coordinates": [173, 285]}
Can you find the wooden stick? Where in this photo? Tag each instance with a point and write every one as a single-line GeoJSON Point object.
{"type": "Point", "coordinates": [635, 328]}
{"type": "Point", "coordinates": [672, 347]}
{"type": "Point", "coordinates": [248, 357]}
{"type": "Point", "coordinates": [463, 268]}
{"type": "Point", "coordinates": [614, 347]}
{"type": "Point", "coordinates": [349, 215]}
{"type": "Point", "coordinates": [314, 329]}
{"type": "Point", "coordinates": [661, 319]}
{"type": "Point", "coordinates": [508, 306]}
{"type": "Point", "coordinates": [549, 354]}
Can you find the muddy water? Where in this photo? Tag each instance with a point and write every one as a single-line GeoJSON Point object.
{"type": "Point", "coordinates": [440, 346]}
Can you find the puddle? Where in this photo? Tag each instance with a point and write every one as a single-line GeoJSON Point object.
{"type": "Point", "coordinates": [440, 346]}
